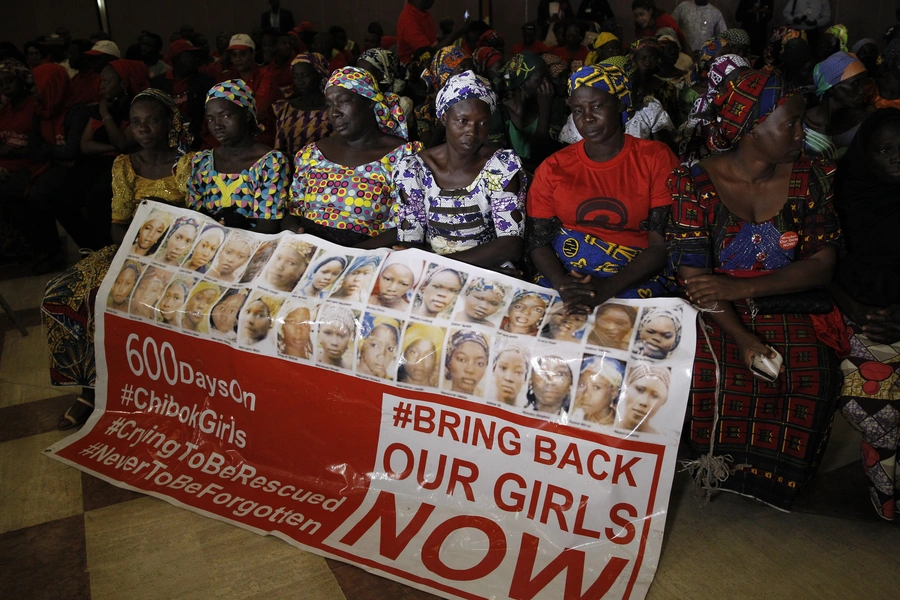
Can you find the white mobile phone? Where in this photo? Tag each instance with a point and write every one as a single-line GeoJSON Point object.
{"type": "Point", "coordinates": [466, 16]}
{"type": "Point", "coordinates": [766, 368]}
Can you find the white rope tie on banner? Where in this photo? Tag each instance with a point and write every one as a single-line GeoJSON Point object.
{"type": "Point", "coordinates": [709, 470]}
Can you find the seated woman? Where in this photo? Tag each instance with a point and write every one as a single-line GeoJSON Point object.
{"type": "Point", "coordinates": [866, 288]}
{"type": "Point", "coordinates": [887, 81]}
{"type": "Point", "coordinates": [646, 84]}
{"type": "Point", "coordinates": [390, 75]}
{"type": "Point", "coordinates": [241, 183]}
{"type": "Point", "coordinates": [158, 171]}
{"type": "Point", "coordinates": [841, 87]}
{"type": "Point", "coordinates": [462, 198]}
{"type": "Point", "coordinates": [606, 45]}
{"type": "Point", "coordinates": [597, 209]}
{"type": "Point", "coordinates": [757, 220]}
{"type": "Point", "coordinates": [446, 62]}
{"type": "Point", "coordinates": [303, 118]}
{"type": "Point", "coordinates": [356, 163]}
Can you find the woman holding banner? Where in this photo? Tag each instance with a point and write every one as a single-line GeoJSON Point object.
{"type": "Point", "coordinates": [159, 171]}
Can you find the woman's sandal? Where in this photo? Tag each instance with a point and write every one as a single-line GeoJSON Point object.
{"type": "Point", "coordinates": [77, 414]}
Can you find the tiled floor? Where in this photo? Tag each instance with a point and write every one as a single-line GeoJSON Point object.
{"type": "Point", "coordinates": [64, 534]}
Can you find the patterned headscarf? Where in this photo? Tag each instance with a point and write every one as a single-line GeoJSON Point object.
{"type": "Point", "coordinates": [718, 71]}
{"type": "Point", "coordinates": [840, 32]}
{"type": "Point", "coordinates": [517, 70]}
{"type": "Point", "coordinates": [708, 53]}
{"type": "Point", "coordinates": [745, 104]}
{"type": "Point", "coordinates": [179, 135]}
{"type": "Point", "coordinates": [387, 106]}
{"type": "Point", "coordinates": [133, 73]}
{"type": "Point", "coordinates": [459, 338]}
{"type": "Point", "coordinates": [317, 62]}
{"type": "Point", "coordinates": [392, 75]}
{"type": "Point", "coordinates": [615, 61]}
{"type": "Point", "coordinates": [442, 66]}
{"type": "Point", "coordinates": [673, 315]}
{"type": "Point", "coordinates": [481, 284]}
{"type": "Point", "coordinates": [643, 43]}
{"type": "Point", "coordinates": [465, 86]}
{"type": "Point", "coordinates": [780, 38]}
{"type": "Point", "coordinates": [556, 65]}
{"type": "Point", "coordinates": [835, 69]}
{"type": "Point", "coordinates": [238, 92]}
{"type": "Point", "coordinates": [736, 37]}
{"type": "Point", "coordinates": [19, 69]}
{"type": "Point", "coordinates": [607, 78]}
{"type": "Point", "coordinates": [490, 38]}
{"type": "Point", "coordinates": [485, 58]}
{"type": "Point", "coordinates": [601, 40]}
{"type": "Point", "coordinates": [641, 370]}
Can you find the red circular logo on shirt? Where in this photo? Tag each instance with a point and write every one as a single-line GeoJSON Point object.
{"type": "Point", "coordinates": [789, 240]}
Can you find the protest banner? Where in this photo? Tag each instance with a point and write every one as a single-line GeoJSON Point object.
{"type": "Point", "coordinates": [435, 423]}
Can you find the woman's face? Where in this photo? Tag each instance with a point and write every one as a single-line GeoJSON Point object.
{"type": "Point", "coordinates": [643, 398]}
{"type": "Point", "coordinates": [306, 80]}
{"type": "Point", "coordinates": [350, 113]}
{"type": "Point", "coordinates": [286, 268]}
{"type": "Point", "coordinates": [334, 339]}
{"type": "Point", "coordinates": [780, 137]}
{"type": "Point", "coordinates": [327, 274]}
{"type": "Point", "coordinates": [525, 314]}
{"type": "Point", "coordinates": [852, 92]}
{"type": "Point", "coordinates": [357, 280]}
{"type": "Point", "coordinates": [668, 52]}
{"type": "Point", "coordinates": [509, 376]}
{"type": "Point", "coordinates": [123, 286]}
{"type": "Point", "coordinates": [179, 242]}
{"type": "Point", "coordinates": [564, 327]}
{"type": "Point", "coordinates": [225, 314]}
{"type": "Point", "coordinates": [33, 56]}
{"type": "Point", "coordinates": [147, 295]}
{"type": "Point", "coordinates": [595, 393]}
{"type": "Point", "coordinates": [296, 329]}
{"type": "Point", "coordinates": [233, 255]}
{"type": "Point", "coordinates": [256, 321]}
{"type": "Point", "coordinates": [483, 304]}
{"type": "Point", "coordinates": [171, 301]}
{"type": "Point", "coordinates": [242, 59]}
{"type": "Point", "coordinates": [205, 250]}
{"type": "Point", "coordinates": [256, 263]}
{"type": "Point", "coordinates": [610, 49]}
{"type": "Point", "coordinates": [658, 335]}
{"type": "Point", "coordinates": [467, 125]}
{"type": "Point", "coordinates": [884, 151]}
{"type": "Point", "coordinates": [596, 114]}
{"type": "Point", "coordinates": [12, 86]}
{"type": "Point", "coordinates": [440, 292]}
{"type": "Point", "coordinates": [467, 367]}
{"type": "Point", "coordinates": [420, 359]}
{"type": "Point", "coordinates": [642, 17]}
{"type": "Point", "coordinates": [197, 307]}
{"type": "Point", "coordinates": [613, 326]}
{"type": "Point", "coordinates": [149, 234]}
{"type": "Point", "coordinates": [393, 284]}
{"type": "Point", "coordinates": [647, 59]}
{"type": "Point", "coordinates": [550, 381]}
{"type": "Point", "coordinates": [573, 36]}
{"type": "Point", "coordinates": [228, 122]}
{"type": "Point", "coordinates": [150, 125]}
{"type": "Point", "coordinates": [379, 350]}
{"type": "Point", "coordinates": [110, 84]}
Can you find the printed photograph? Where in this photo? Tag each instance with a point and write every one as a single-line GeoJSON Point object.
{"type": "Point", "coordinates": [259, 260]}
{"type": "Point", "coordinates": [646, 391]}
{"type": "Point", "coordinates": [223, 319]}
{"type": "Point", "coordinates": [420, 362]}
{"type": "Point", "coordinates": [598, 389]}
{"type": "Point", "coordinates": [151, 233]}
{"type": "Point", "coordinates": [468, 355]}
{"type": "Point", "coordinates": [438, 293]}
{"type": "Point", "coordinates": [482, 302]}
{"type": "Point", "coordinates": [322, 276]}
{"type": "Point", "coordinates": [550, 385]}
{"type": "Point", "coordinates": [613, 326]}
{"type": "Point", "coordinates": [525, 313]}
{"type": "Point", "coordinates": [295, 333]}
{"type": "Point", "coordinates": [179, 241]}
{"type": "Point", "coordinates": [356, 283]}
{"type": "Point", "coordinates": [173, 299]}
{"type": "Point", "coordinates": [376, 354]}
{"type": "Point", "coordinates": [287, 265]}
{"type": "Point", "coordinates": [510, 375]}
{"type": "Point", "coordinates": [232, 256]}
{"type": "Point", "coordinates": [562, 326]}
{"type": "Point", "coordinates": [337, 327]}
{"type": "Point", "coordinates": [126, 281]}
{"type": "Point", "coordinates": [659, 332]}
{"type": "Point", "coordinates": [396, 281]}
{"type": "Point", "coordinates": [208, 243]}
{"type": "Point", "coordinates": [148, 292]}
{"type": "Point", "coordinates": [257, 320]}
{"type": "Point", "coordinates": [195, 315]}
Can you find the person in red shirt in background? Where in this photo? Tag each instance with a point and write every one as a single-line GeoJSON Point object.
{"type": "Point", "coordinates": [242, 52]}
{"type": "Point", "coordinates": [529, 41]}
{"type": "Point", "coordinates": [86, 83]}
{"type": "Point", "coordinates": [648, 20]}
{"type": "Point", "coordinates": [416, 30]}
{"type": "Point", "coordinates": [16, 122]}
{"type": "Point", "coordinates": [572, 50]}
{"type": "Point", "coordinates": [280, 67]}
{"type": "Point", "coordinates": [188, 87]}
{"type": "Point", "coordinates": [324, 45]}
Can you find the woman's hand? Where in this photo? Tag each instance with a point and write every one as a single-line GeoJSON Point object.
{"type": "Point", "coordinates": [750, 345]}
{"type": "Point", "coordinates": [881, 325]}
{"type": "Point", "coordinates": [104, 108]}
{"type": "Point", "coordinates": [709, 288]}
{"type": "Point", "coordinates": [583, 293]}
{"type": "Point", "coordinates": [545, 96]}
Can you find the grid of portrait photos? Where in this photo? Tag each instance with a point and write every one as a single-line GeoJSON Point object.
{"type": "Point", "coordinates": [408, 318]}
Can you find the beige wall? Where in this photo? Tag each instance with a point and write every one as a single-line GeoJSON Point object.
{"type": "Point", "coordinates": [22, 20]}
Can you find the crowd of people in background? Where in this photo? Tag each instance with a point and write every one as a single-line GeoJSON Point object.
{"type": "Point", "coordinates": [753, 171]}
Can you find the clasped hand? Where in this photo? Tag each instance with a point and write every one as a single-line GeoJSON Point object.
{"type": "Point", "coordinates": [708, 288]}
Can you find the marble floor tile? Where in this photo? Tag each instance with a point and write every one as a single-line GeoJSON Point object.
{"type": "Point", "coordinates": [25, 292]}
{"type": "Point", "coordinates": [148, 550]}
{"type": "Point", "coordinates": [25, 369]}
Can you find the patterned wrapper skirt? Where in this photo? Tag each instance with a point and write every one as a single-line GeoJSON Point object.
{"type": "Point", "coordinates": [68, 315]}
{"type": "Point", "coordinates": [870, 401]}
{"type": "Point", "coordinates": [778, 430]}
{"type": "Point", "coordinates": [588, 255]}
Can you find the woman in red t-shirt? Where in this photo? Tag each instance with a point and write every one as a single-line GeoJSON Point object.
{"type": "Point", "coordinates": [649, 19]}
{"type": "Point", "coordinates": [597, 209]}
{"type": "Point", "coordinates": [572, 50]}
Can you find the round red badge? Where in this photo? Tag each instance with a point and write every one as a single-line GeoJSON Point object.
{"type": "Point", "coordinates": [789, 240]}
